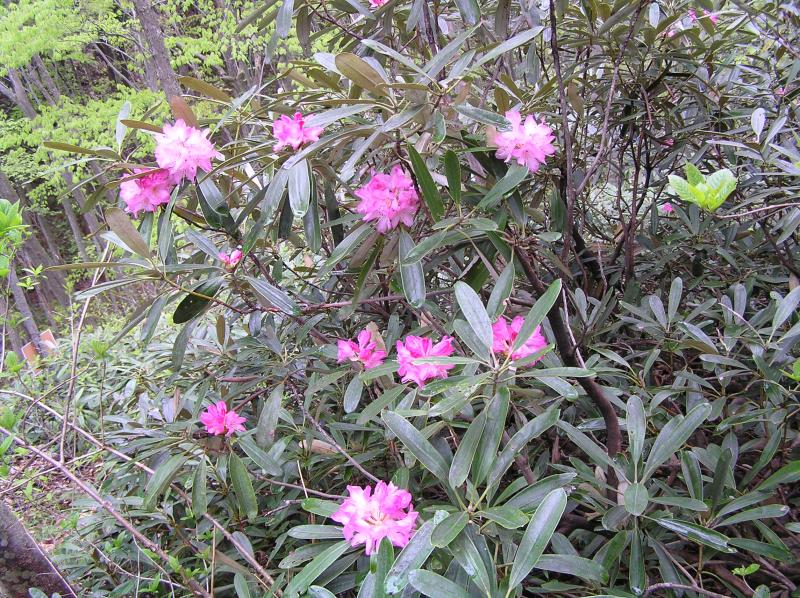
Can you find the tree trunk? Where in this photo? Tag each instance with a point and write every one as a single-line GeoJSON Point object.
{"type": "Point", "coordinates": [80, 197]}
{"type": "Point", "coordinates": [47, 80]}
{"type": "Point", "coordinates": [24, 309]}
{"type": "Point", "coordinates": [43, 227]}
{"type": "Point", "coordinates": [23, 564]}
{"type": "Point", "coordinates": [154, 37]}
{"type": "Point", "coordinates": [54, 282]}
{"type": "Point", "coordinates": [24, 102]}
{"type": "Point", "coordinates": [10, 331]}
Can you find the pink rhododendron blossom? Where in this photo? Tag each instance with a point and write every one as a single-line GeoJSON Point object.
{"type": "Point", "coordinates": [293, 131]}
{"type": "Point", "coordinates": [146, 193]}
{"type": "Point", "coordinates": [417, 347]}
{"type": "Point", "coordinates": [528, 143]}
{"type": "Point", "coordinates": [218, 420]}
{"type": "Point", "coordinates": [505, 334]}
{"type": "Point", "coordinates": [370, 515]}
{"type": "Point", "coordinates": [692, 15]}
{"type": "Point", "coordinates": [388, 198]}
{"type": "Point", "coordinates": [669, 142]}
{"type": "Point", "coordinates": [712, 16]}
{"type": "Point", "coordinates": [182, 149]}
{"type": "Point", "coordinates": [231, 260]}
{"type": "Point", "coordinates": [377, 3]}
{"type": "Point", "coordinates": [366, 351]}
{"type": "Point", "coordinates": [667, 208]}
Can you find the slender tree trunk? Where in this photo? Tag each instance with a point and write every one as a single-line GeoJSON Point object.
{"type": "Point", "coordinates": [23, 307]}
{"type": "Point", "coordinates": [154, 37]}
{"type": "Point", "coordinates": [54, 282]}
{"type": "Point", "coordinates": [24, 102]}
{"type": "Point", "coordinates": [52, 247]}
{"type": "Point", "coordinates": [10, 331]}
{"type": "Point", "coordinates": [46, 79]}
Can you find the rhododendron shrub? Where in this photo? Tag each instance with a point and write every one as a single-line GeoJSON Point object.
{"type": "Point", "coordinates": [440, 312]}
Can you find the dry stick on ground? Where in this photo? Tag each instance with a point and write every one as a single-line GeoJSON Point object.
{"type": "Point", "coordinates": [568, 351]}
{"type": "Point", "coordinates": [140, 537]}
{"type": "Point", "coordinates": [228, 536]}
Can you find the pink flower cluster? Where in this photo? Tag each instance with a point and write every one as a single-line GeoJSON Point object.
{"type": "Point", "coordinates": [146, 193]}
{"type": "Point", "coordinates": [528, 143]}
{"type": "Point", "coordinates": [417, 347]}
{"type": "Point", "coordinates": [377, 3]}
{"type": "Point", "coordinates": [667, 208]}
{"type": "Point", "coordinates": [218, 420]}
{"type": "Point", "coordinates": [231, 260]}
{"type": "Point", "coordinates": [366, 351]}
{"type": "Point", "coordinates": [505, 334]}
{"type": "Point", "coordinates": [388, 198]}
{"type": "Point", "coordinates": [293, 132]}
{"type": "Point", "coordinates": [711, 16]}
{"type": "Point", "coordinates": [180, 151]}
{"type": "Point", "coordinates": [370, 515]}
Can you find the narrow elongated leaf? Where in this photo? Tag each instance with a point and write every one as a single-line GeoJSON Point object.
{"type": "Point", "coordinates": [537, 535]}
{"type": "Point", "coordinates": [501, 292]}
{"type": "Point", "coordinates": [675, 294]}
{"type": "Point", "coordinates": [360, 72]}
{"type": "Point", "coordinates": [299, 188]}
{"type": "Point", "coordinates": [463, 459]}
{"type": "Point", "coordinates": [271, 296]}
{"type": "Point", "coordinates": [434, 585]}
{"type": "Point", "coordinates": [536, 427]}
{"type": "Point", "coordinates": [765, 512]}
{"type": "Point", "coordinates": [786, 307]}
{"type": "Point", "coordinates": [214, 207]}
{"type": "Point", "coordinates": [196, 302]}
{"type": "Point", "coordinates": [573, 565]}
{"type": "Point", "coordinates": [474, 313]}
{"type": "Point", "coordinates": [470, 550]}
{"type": "Point", "coordinates": [493, 431]}
{"type": "Point", "coordinates": [243, 487]}
{"type": "Point", "coordinates": [538, 313]}
{"type": "Point", "coordinates": [429, 192]}
{"type": "Point", "coordinates": [161, 478]}
{"type": "Point", "coordinates": [199, 490]}
{"type": "Point", "coordinates": [511, 181]}
{"type": "Point", "coordinates": [446, 531]}
{"type": "Point", "coordinates": [352, 394]}
{"type": "Point", "coordinates": [122, 225]}
{"type": "Point", "coordinates": [411, 275]}
{"type": "Point", "coordinates": [520, 38]}
{"type": "Point", "coordinates": [314, 569]}
{"type": "Point", "coordinates": [414, 555]}
{"type": "Point", "coordinates": [470, 11]}
{"type": "Point", "coordinates": [417, 444]}
{"type": "Point", "coordinates": [268, 419]}
{"type": "Point", "coordinates": [636, 499]}
{"type": "Point", "coordinates": [697, 533]}
{"type": "Point", "coordinates": [635, 422]}
{"type": "Point", "coordinates": [673, 435]}
{"type": "Point", "coordinates": [788, 474]}
{"type": "Point", "coordinates": [452, 169]}
{"type": "Point", "coordinates": [505, 516]}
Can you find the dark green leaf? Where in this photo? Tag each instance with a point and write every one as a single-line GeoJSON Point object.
{"type": "Point", "coordinates": [425, 181]}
